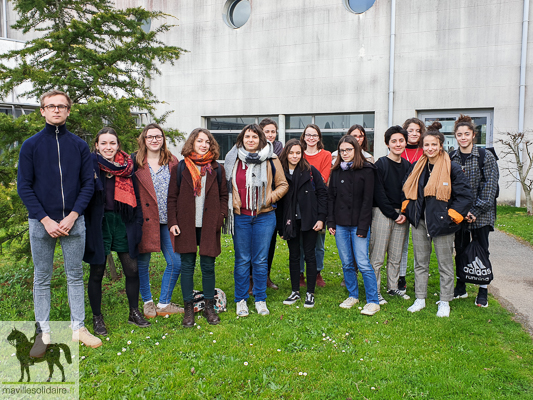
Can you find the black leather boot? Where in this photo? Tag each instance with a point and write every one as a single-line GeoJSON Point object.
{"type": "Point", "coordinates": [188, 318]}
{"type": "Point", "coordinates": [99, 327]}
{"type": "Point", "coordinates": [136, 318]}
{"type": "Point", "coordinates": [210, 314]}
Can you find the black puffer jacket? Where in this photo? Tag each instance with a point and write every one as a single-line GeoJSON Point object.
{"type": "Point", "coordinates": [438, 221]}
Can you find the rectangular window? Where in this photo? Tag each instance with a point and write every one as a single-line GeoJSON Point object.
{"type": "Point", "coordinates": [333, 127]}
{"type": "Point", "coordinates": [482, 119]}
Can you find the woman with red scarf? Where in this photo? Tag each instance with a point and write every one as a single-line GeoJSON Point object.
{"type": "Point", "coordinates": [197, 206]}
{"type": "Point", "coordinates": [114, 223]}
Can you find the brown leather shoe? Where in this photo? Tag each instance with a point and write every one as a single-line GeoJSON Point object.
{"type": "Point", "coordinates": [251, 288]}
{"type": "Point", "coordinates": [188, 317]}
{"type": "Point", "coordinates": [302, 280]}
{"type": "Point", "coordinates": [271, 284]}
{"type": "Point", "coordinates": [319, 280]}
{"type": "Point", "coordinates": [210, 314]}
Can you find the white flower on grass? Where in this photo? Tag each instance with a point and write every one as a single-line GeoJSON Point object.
{"type": "Point", "coordinates": [198, 326]}
{"type": "Point", "coordinates": [246, 363]}
{"type": "Point", "coordinates": [166, 316]}
{"type": "Point", "coordinates": [107, 339]}
{"type": "Point", "coordinates": [323, 334]}
{"type": "Point", "coordinates": [13, 355]}
{"type": "Point", "coordinates": [279, 350]}
{"type": "Point", "coordinates": [361, 359]}
{"type": "Point", "coordinates": [373, 388]}
{"type": "Point", "coordinates": [199, 316]}
{"type": "Point", "coordinates": [132, 331]}
{"type": "Point", "coordinates": [323, 338]}
{"type": "Point", "coordinates": [119, 354]}
{"type": "Point", "coordinates": [147, 337]}
{"type": "Point", "coordinates": [360, 308]}
{"type": "Point", "coordinates": [300, 373]}
{"type": "Point", "coordinates": [210, 333]}
{"type": "Point", "coordinates": [297, 306]}
{"type": "Point", "coordinates": [333, 341]}
{"type": "Point", "coordinates": [347, 333]}
{"type": "Point", "coordinates": [129, 341]}
{"type": "Point", "coordinates": [157, 343]}
{"type": "Point", "coordinates": [251, 344]}
{"type": "Point", "coordinates": [123, 349]}
{"type": "Point", "coordinates": [214, 341]}
{"type": "Point", "coordinates": [164, 337]}
{"type": "Point", "coordinates": [83, 357]}
{"type": "Point", "coordinates": [344, 351]}
{"type": "Point", "coordinates": [305, 373]}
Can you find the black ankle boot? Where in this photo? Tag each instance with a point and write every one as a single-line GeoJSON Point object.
{"type": "Point", "coordinates": [210, 314]}
{"type": "Point", "coordinates": [188, 318]}
{"type": "Point", "coordinates": [136, 318]}
{"type": "Point", "coordinates": [99, 327]}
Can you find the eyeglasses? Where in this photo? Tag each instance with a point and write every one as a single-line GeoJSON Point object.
{"type": "Point", "coordinates": [311, 135]}
{"type": "Point", "coordinates": [156, 138]}
{"type": "Point", "coordinates": [60, 107]}
{"type": "Point", "coordinates": [346, 151]}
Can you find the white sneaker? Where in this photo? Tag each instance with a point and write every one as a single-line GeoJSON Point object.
{"type": "Point", "coordinates": [349, 302]}
{"type": "Point", "coordinates": [242, 308]}
{"type": "Point", "coordinates": [417, 305]}
{"type": "Point", "coordinates": [261, 307]}
{"type": "Point", "coordinates": [444, 309]}
{"type": "Point", "coordinates": [381, 300]}
{"type": "Point", "coordinates": [370, 309]}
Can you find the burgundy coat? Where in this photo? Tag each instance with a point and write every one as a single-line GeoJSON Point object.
{"type": "Point", "coordinates": [151, 240]}
{"type": "Point", "coordinates": [182, 212]}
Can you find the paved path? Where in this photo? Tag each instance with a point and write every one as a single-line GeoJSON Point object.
{"type": "Point", "coordinates": [513, 276]}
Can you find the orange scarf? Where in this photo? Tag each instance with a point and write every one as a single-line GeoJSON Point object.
{"type": "Point", "coordinates": [439, 184]}
{"type": "Point", "coordinates": [191, 161]}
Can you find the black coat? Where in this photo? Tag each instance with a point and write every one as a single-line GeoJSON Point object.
{"type": "Point", "coordinates": [94, 216]}
{"type": "Point", "coordinates": [312, 198]}
{"type": "Point", "coordinates": [438, 222]}
{"type": "Point", "coordinates": [350, 197]}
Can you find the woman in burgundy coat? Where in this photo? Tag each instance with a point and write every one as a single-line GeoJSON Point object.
{"type": "Point", "coordinates": [197, 206]}
{"type": "Point", "coordinates": [153, 162]}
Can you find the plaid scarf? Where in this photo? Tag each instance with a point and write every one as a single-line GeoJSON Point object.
{"type": "Point", "coordinates": [194, 159]}
{"type": "Point", "coordinates": [122, 169]}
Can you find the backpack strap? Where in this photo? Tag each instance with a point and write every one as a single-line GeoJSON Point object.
{"type": "Point", "coordinates": [181, 168]}
{"type": "Point", "coordinates": [481, 161]}
{"type": "Point", "coordinates": [273, 168]}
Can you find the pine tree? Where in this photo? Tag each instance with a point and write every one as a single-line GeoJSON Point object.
{"type": "Point", "coordinates": [102, 57]}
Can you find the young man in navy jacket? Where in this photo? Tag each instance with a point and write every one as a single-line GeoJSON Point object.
{"type": "Point", "coordinates": [55, 182]}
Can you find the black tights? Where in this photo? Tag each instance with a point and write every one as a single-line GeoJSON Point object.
{"type": "Point", "coordinates": [94, 288]}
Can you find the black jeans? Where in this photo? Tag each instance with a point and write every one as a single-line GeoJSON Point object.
{"type": "Point", "coordinates": [207, 265]}
{"type": "Point", "coordinates": [309, 243]}
{"type": "Point", "coordinates": [464, 236]}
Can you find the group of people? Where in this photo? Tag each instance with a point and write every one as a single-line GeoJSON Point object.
{"type": "Point", "coordinates": [149, 202]}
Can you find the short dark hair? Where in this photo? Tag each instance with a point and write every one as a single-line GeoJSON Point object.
{"type": "Point", "coordinates": [239, 142]}
{"type": "Point", "coordinates": [358, 158]}
{"type": "Point", "coordinates": [360, 128]}
{"type": "Point", "coordinates": [319, 144]}
{"type": "Point", "coordinates": [103, 131]}
{"type": "Point", "coordinates": [284, 156]}
{"type": "Point", "coordinates": [392, 130]}
{"type": "Point", "coordinates": [433, 130]}
{"type": "Point", "coordinates": [268, 121]}
{"type": "Point", "coordinates": [464, 120]}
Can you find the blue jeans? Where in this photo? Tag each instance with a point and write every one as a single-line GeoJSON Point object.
{"type": "Point", "coordinates": [171, 274]}
{"type": "Point", "coordinates": [319, 252]}
{"type": "Point", "coordinates": [349, 244]}
{"type": "Point", "coordinates": [251, 241]}
{"type": "Point", "coordinates": [42, 250]}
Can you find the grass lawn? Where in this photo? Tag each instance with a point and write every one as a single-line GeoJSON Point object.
{"type": "Point", "coordinates": [515, 221]}
{"type": "Point", "coordinates": [294, 353]}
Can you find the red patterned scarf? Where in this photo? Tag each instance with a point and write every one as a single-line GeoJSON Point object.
{"type": "Point", "coordinates": [194, 159]}
{"type": "Point", "coordinates": [122, 169]}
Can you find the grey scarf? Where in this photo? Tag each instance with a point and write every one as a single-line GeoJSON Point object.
{"type": "Point", "coordinates": [256, 178]}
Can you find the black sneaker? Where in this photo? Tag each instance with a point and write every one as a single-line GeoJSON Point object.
{"type": "Point", "coordinates": [136, 318]}
{"type": "Point", "coordinates": [481, 299]}
{"type": "Point", "coordinates": [402, 285]}
{"type": "Point", "coordinates": [293, 298]}
{"type": "Point", "coordinates": [309, 300]}
{"type": "Point", "coordinates": [396, 292]}
{"type": "Point", "coordinates": [460, 290]}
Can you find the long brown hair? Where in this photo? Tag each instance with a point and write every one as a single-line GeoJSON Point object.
{"type": "Point", "coordinates": [418, 122]}
{"type": "Point", "coordinates": [164, 153]}
{"type": "Point", "coordinates": [319, 144]}
{"type": "Point", "coordinates": [360, 128]}
{"type": "Point", "coordinates": [303, 164]}
{"type": "Point", "coordinates": [358, 158]}
{"type": "Point", "coordinates": [188, 147]}
{"type": "Point", "coordinates": [103, 131]}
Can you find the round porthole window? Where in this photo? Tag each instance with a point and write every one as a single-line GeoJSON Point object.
{"type": "Point", "coordinates": [358, 6]}
{"type": "Point", "coordinates": [237, 12]}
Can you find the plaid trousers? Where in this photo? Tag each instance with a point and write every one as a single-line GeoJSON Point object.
{"type": "Point", "coordinates": [444, 252]}
{"type": "Point", "coordinates": [387, 237]}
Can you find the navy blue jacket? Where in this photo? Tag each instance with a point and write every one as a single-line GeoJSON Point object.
{"type": "Point", "coordinates": [94, 215]}
{"type": "Point", "coordinates": [55, 174]}
{"type": "Point", "coordinates": [438, 222]}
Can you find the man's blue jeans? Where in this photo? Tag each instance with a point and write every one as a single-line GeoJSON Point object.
{"type": "Point", "coordinates": [251, 241]}
{"type": "Point", "coordinates": [42, 250]}
{"type": "Point", "coordinates": [171, 274]}
{"type": "Point", "coordinates": [349, 244]}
